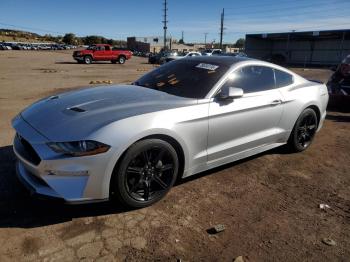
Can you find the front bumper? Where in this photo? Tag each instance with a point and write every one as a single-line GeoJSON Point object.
{"type": "Point", "coordinates": [35, 186]}
{"type": "Point", "coordinates": [71, 179]}
{"type": "Point", "coordinates": [78, 58]}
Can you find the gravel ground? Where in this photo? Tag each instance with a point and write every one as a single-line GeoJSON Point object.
{"type": "Point", "coordinates": [268, 203]}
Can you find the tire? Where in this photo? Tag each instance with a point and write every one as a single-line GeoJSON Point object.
{"type": "Point", "coordinates": [138, 183]}
{"type": "Point", "coordinates": [121, 60]}
{"type": "Point", "coordinates": [303, 131]}
{"type": "Point", "coordinates": [87, 59]}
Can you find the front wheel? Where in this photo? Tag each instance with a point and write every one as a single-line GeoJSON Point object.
{"type": "Point", "coordinates": [146, 173]}
{"type": "Point", "coordinates": [304, 131]}
{"type": "Point", "coordinates": [87, 60]}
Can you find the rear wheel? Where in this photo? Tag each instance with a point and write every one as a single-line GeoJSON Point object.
{"type": "Point", "coordinates": [146, 173]}
{"type": "Point", "coordinates": [87, 60]}
{"type": "Point", "coordinates": [304, 131]}
{"type": "Point", "coordinates": [121, 59]}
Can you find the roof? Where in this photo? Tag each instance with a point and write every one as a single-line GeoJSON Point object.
{"type": "Point", "coordinates": [326, 34]}
{"type": "Point", "coordinates": [224, 60]}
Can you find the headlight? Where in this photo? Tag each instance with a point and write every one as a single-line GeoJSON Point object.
{"type": "Point", "coordinates": [79, 148]}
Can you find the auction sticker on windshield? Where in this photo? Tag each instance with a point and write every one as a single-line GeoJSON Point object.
{"type": "Point", "coordinates": [207, 66]}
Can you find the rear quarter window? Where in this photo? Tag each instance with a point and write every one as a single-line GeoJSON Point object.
{"type": "Point", "coordinates": [283, 78]}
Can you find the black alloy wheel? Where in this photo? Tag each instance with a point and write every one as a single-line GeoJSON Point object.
{"type": "Point", "coordinates": [147, 172]}
{"type": "Point", "coordinates": [304, 130]}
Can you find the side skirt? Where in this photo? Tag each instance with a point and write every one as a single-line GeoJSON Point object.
{"type": "Point", "coordinates": [231, 158]}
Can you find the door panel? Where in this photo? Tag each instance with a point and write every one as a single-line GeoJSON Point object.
{"type": "Point", "coordinates": [244, 123]}
{"type": "Point", "coordinates": [99, 53]}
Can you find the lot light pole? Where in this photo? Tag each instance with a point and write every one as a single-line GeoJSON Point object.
{"type": "Point", "coordinates": [222, 26]}
{"type": "Point", "coordinates": [165, 21]}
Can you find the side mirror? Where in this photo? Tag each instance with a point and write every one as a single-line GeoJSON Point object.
{"type": "Point", "coordinates": [230, 93]}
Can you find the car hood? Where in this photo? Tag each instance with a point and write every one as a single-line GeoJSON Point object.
{"type": "Point", "coordinates": [77, 114]}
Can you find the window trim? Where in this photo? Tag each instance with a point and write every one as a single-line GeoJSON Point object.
{"type": "Point", "coordinates": [274, 73]}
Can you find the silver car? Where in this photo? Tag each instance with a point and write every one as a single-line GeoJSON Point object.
{"type": "Point", "coordinates": [131, 142]}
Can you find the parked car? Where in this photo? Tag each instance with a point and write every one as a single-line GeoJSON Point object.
{"type": "Point", "coordinates": [240, 54]}
{"type": "Point", "coordinates": [339, 86]}
{"type": "Point", "coordinates": [160, 58]}
{"type": "Point", "coordinates": [210, 52]}
{"type": "Point", "coordinates": [131, 142]}
{"type": "Point", "coordinates": [189, 54]}
{"type": "Point", "coordinates": [102, 52]}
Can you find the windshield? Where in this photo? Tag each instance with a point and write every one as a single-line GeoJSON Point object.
{"type": "Point", "coordinates": [185, 78]}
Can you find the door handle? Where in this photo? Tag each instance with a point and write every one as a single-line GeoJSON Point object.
{"type": "Point", "coordinates": [276, 102]}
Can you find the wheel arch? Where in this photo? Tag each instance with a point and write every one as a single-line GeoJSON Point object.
{"type": "Point", "coordinates": [89, 55]}
{"type": "Point", "coordinates": [317, 111]}
{"type": "Point", "coordinates": [122, 55]}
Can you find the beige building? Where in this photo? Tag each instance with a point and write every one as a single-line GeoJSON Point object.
{"type": "Point", "coordinates": [155, 44]}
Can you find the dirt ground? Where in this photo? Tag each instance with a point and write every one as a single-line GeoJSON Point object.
{"type": "Point", "coordinates": [269, 203]}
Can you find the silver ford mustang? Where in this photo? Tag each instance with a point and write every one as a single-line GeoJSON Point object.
{"type": "Point", "coordinates": [131, 142]}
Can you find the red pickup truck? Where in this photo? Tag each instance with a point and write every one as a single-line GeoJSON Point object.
{"type": "Point", "coordinates": [102, 52]}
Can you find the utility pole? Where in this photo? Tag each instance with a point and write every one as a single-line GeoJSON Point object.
{"type": "Point", "coordinates": [165, 21]}
{"type": "Point", "coordinates": [222, 26]}
{"type": "Point", "coordinates": [182, 36]}
{"type": "Point", "coordinates": [205, 39]}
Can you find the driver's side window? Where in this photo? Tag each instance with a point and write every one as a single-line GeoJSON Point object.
{"type": "Point", "coordinates": [252, 79]}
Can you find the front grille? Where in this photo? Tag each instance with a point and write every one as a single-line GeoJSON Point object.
{"type": "Point", "coordinates": [25, 149]}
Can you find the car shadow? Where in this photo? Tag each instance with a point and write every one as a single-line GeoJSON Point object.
{"type": "Point", "coordinates": [19, 209]}
{"type": "Point", "coordinates": [76, 63]}
{"type": "Point", "coordinates": [66, 63]}
{"type": "Point", "coordinates": [338, 118]}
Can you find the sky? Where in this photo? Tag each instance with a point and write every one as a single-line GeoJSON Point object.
{"type": "Point", "coordinates": [120, 19]}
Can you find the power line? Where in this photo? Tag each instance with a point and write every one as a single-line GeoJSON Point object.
{"type": "Point", "coordinates": [31, 28]}
{"type": "Point", "coordinates": [20, 27]}
{"type": "Point", "coordinates": [313, 28]}
{"type": "Point", "coordinates": [287, 9]}
{"type": "Point", "coordinates": [344, 14]}
{"type": "Point", "coordinates": [264, 4]}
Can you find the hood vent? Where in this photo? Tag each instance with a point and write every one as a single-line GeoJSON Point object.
{"type": "Point", "coordinates": [53, 97]}
{"type": "Point", "coordinates": [76, 109]}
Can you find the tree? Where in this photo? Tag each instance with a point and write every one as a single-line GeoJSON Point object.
{"type": "Point", "coordinates": [240, 43]}
{"type": "Point", "coordinates": [69, 39]}
{"type": "Point", "coordinates": [92, 40]}
{"type": "Point", "coordinates": [181, 41]}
